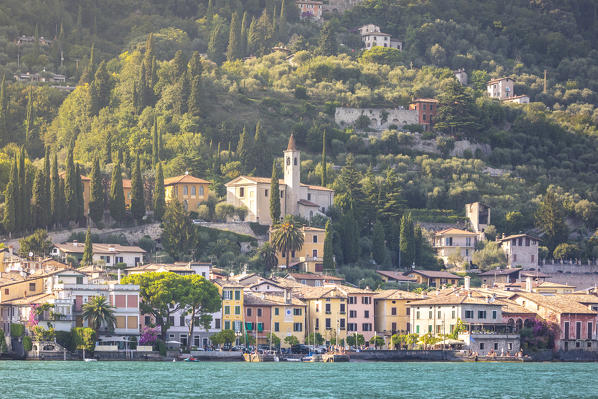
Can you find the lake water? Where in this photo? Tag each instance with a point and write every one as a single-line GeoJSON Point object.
{"type": "Point", "coordinates": [115, 380]}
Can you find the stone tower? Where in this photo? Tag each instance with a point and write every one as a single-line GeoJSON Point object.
{"type": "Point", "coordinates": [292, 175]}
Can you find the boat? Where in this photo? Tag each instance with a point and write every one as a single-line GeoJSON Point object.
{"type": "Point", "coordinates": [335, 357]}
{"type": "Point", "coordinates": [254, 357]}
{"type": "Point", "coordinates": [90, 360]}
{"type": "Point", "coordinates": [192, 359]}
{"type": "Point", "coordinates": [292, 359]}
{"type": "Point", "coordinates": [312, 358]}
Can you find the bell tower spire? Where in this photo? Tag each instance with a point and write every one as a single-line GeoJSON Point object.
{"type": "Point", "coordinates": [292, 174]}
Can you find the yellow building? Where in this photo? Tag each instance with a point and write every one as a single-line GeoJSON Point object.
{"type": "Point", "coordinates": [326, 312]}
{"type": "Point", "coordinates": [190, 191]}
{"type": "Point", "coordinates": [434, 278]}
{"type": "Point", "coordinates": [127, 192]}
{"type": "Point", "coordinates": [232, 304]}
{"type": "Point", "coordinates": [550, 288]}
{"type": "Point", "coordinates": [311, 255]}
{"type": "Point", "coordinates": [392, 312]}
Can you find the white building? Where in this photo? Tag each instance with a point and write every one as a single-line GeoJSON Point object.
{"type": "Point", "coordinates": [461, 76]}
{"type": "Point", "coordinates": [296, 198]}
{"type": "Point", "coordinates": [478, 215]}
{"type": "Point", "coordinates": [379, 118]}
{"type": "Point", "coordinates": [500, 88]}
{"type": "Point", "coordinates": [521, 250]}
{"type": "Point", "coordinates": [109, 254]}
{"type": "Point", "coordinates": [522, 99]}
{"type": "Point", "coordinates": [372, 37]}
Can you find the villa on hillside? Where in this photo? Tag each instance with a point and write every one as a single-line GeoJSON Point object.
{"type": "Point", "coordinates": [521, 250]}
{"type": "Point", "coordinates": [372, 37]}
{"type": "Point", "coordinates": [455, 244]}
{"type": "Point", "coordinates": [189, 190]}
{"type": "Point", "coordinates": [111, 254]}
{"type": "Point", "coordinates": [503, 90]}
{"type": "Point", "coordinates": [310, 258]}
{"type": "Point", "coordinates": [296, 198]}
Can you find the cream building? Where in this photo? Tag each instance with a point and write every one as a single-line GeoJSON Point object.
{"type": "Point", "coordinates": [455, 243]}
{"type": "Point", "coordinates": [521, 250]}
{"type": "Point", "coordinates": [296, 198]}
{"type": "Point", "coordinates": [311, 255]}
{"type": "Point", "coordinates": [500, 88]}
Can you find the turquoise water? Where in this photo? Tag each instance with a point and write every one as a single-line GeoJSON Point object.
{"type": "Point", "coordinates": [116, 380]}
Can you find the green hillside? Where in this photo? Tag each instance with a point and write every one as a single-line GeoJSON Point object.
{"type": "Point", "coordinates": [153, 96]}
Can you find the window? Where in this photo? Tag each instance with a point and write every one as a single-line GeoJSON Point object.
{"type": "Point", "coordinates": [185, 190]}
{"type": "Point", "coordinates": [276, 311]}
{"type": "Point", "coordinates": [315, 238]}
{"type": "Point", "coordinates": [342, 308]}
{"type": "Point", "coordinates": [171, 320]}
{"type": "Point", "coordinates": [417, 329]}
{"type": "Point", "coordinates": [80, 279]}
{"type": "Point", "coordinates": [352, 300]}
{"type": "Point", "coordinates": [469, 314]}
{"type": "Point", "coordinates": [317, 324]}
{"type": "Point", "coordinates": [276, 326]}
{"type": "Point", "coordinates": [417, 315]}
{"type": "Point", "coordinates": [440, 314]}
{"type": "Point", "coordinates": [328, 324]}
{"type": "Point", "coordinates": [266, 192]}
{"type": "Point", "coordinates": [147, 320]}
{"type": "Point", "coordinates": [248, 312]}
{"type": "Point", "coordinates": [430, 314]}
{"type": "Point", "coordinates": [481, 346]}
{"type": "Point", "coordinates": [217, 323]}
{"type": "Point", "coordinates": [297, 312]}
{"type": "Point", "coordinates": [589, 330]}
{"type": "Point", "coordinates": [237, 325]}
{"type": "Point", "coordinates": [227, 294]}
{"type": "Point", "coordinates": [408, 311]}
{"type": "Point", "coordinates": [429, 329]}
{"type": "Point", "coordinates": [237, 295]}
{"type": "Point", "coordinates": [510, 346]}
{"type": "Point", "coordinates": [297, 327]}
{"type": "Point", "coordinates": [227, 325]}
{"type": "Point", "coordinates": [201, 191]}
{"type": "Point", "coordinates": [438, 327]}
{"type": "Point", "coordinates": [181, 321]}
{"type": "Point", "coordinates": [281, 194]}
{"type": "Point", "coordinates": [342, 324]}
{"type": "Point", "coordinates": [393, 311]}
{"type": "Point", "coordinates": [527, 242]}
{"type": "Point", "coordinates": [494, 314]}
{"type": "Point", "coordinates": [227, 309]}
{"type": "Point", "coordinates": [453, 314]}
{"type": "Point", "coordinates": [237, 310]}
{"type": "Point", "coordinates": [366, 326]}
{"type": "Point", "coordinates": [481, 314]}
{"type": "Point", "coordinates": [309, 196]}
{"type": "Point", "coordinates": [352, 314]}
{"type": "Point", "coordinates": [193, 190]}
{"type": "Point", "coordinates": [315, 253]}
{"type": "Point", "coordinates": [448, 241]}
{"type": "Point", "coordinates": [351, 326]}
{"type": "Point", "coordinates": [468, 241]}
{"type": "Point", "coordinates": [241, 192]}
{"type": "Point", "coordinates": [31, 286]}
{"type": "Point", "coordinates": [327, 308]}
{"type": "Point", "coordinates": [295, 161]}
{"type": "Point", "coordinates": [566, 330]}
{"type": "Point", "coordinates": [496, 346]}
{"type": "Point", "coordinates": [578, 330]}
{"type": "Point", "coordinates": [393, 327]}
{"type": "Point", "coordinates": [259, 312]}
{"type": "Point", "coordinates": [366, 314]}
{"type": "Point", "coordinates": [366, 300]}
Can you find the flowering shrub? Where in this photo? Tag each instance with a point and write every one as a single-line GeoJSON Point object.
{"type": "Point", "coordinates": [149, 336]}
{"type": "Point", "coordinates": [541, 335]}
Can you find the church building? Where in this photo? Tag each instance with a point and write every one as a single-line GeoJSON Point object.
{"type": "Point", "coordinates": [296, 198]}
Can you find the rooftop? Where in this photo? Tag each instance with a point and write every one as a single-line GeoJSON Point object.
{"type": "Point", "coordinates": [186, 178]}
{"type": "Point", "coordinates": [308, 276]}
{"type": "Point", "coordinates": [397, 294]}
{"type": "Point", "coordinates": [561, 303]}
{"type": "Point", "coordinates": [394, 275]}
{"type": "Point", "coordinates": [454, 231]}
{"type": "Point", "coordinates": [78, 247]}
{"type": "Point", "coordinates": [435, 274]}
{"type": "Point", "coordinates": [502, 272]}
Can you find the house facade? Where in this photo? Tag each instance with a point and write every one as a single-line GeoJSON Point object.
{"type": "Point", "coordinates": [455, 244]}
{"type": "Point", "coordinates": [392, 312]}
{"type": "Point", "coordinates": [426, 111]}
{"type": "Point", "coordinates": [310, 257]}
{"type": "Point", "coordinates": [310, 9]}
{"type": "Point", "coordinates": [190, 191]}
{"type": "Point", "coordinates": [478, 215]}
{"type": "Point", "coordinates": [361, 312]}
{"type": "Point", "coordinates": [371, 36]}
{"type": "Point", "coordinates": [109, 254]}
{"type": "Point", "coordinates": [326, 312]}
{"type": "Point", "coordinates": [232, 305]}
{"type": "Point", "coordinates": [521, 250]}
{"type": "Point", "coordinates": [433, 278]}
{"type": "Point", "coordinates": [295, 198]}
{"type": "Point", "coordinates": [379, 118]}
{"type": "Point", "coordinates": [500, 88]}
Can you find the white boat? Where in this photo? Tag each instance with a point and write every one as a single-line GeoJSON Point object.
{"type": "Point", "coordinates": [90, 360]}
{"type": "Point", "coordinates": [290, 359]}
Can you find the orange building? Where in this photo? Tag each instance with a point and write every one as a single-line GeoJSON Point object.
{"type": "Point", "coordinates": [190, 191]}
{"type": "Point", "coordinates": [426, 109]}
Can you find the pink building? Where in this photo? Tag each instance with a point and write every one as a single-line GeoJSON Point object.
{"type": "Point", "coordinates": [360, 307]}
{"type": "Point", "coordinates": [310, 9]}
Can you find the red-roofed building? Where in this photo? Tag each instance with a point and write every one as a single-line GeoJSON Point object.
{"type": "Point", "coordinates": [426, 109]}
{"type": "Point", "coordinates": [189, 190]}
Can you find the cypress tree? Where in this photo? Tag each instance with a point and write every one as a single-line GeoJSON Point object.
{"type": "Point", "coordinates": [137, 200]}
{"type": "Point", "coordinates": [62, 204]}
{"type": "Point", "coordinates": [108, 148]}
{"type": "Point", "coordinates": [19, 178]}
{"type": "Point", "coordinates": [4, 136]}
{"type": "Point", "coordinates": [180, 104]}
{"type": "Point", "coordinates": [244, 31]}
{"type": "Point", "coordinates": [80, 196]}
{"type": "Point", "coordinates": [159, 195]}
{"type": "Point", "coordinates": [149, 60]}
{"type": "Point", "coordinates": [70, 188]}
{"type": "Point", "coordinates": [324, 174]}
{"type": "Point", "coordinates": [55, 205]}
{"type": "Point", "coordinates": [87, 258]}
{"type": "Point", "coordinates": [155, 143]}
{"type": "Point", "coordinates": [30, 116]}
{"type": "Point", "coordinates": [378, 243]}
{"type": "Point", "coordinates": [328, 247]}
{"type": "Point", "coordinates": [274, 195]}
{"type": "Point", "coordinates": [47, 186]}
{"type": "Point", "coordinates": [180, 65]}
{"type": "Point", "coordinates": [143, 90]}
{"type": "Point", "coordinates": [253, 38]}
{"type": "Point", "coordinates": [327, 44]}
{"type": "Point", "coordinates": [243, 151]}
{"type": "Point", "coordinates": [260, 153]}
{"type": "Point", "coordinates": [418, 245]}
{"type": "Point", "coordinates": [117, 196]}
{"type": "Point", "coordinates": [10, 199]}
{"type": "Point", "coordinates": [282, 23]}
{"type": "Point", "coordinates": [195, 65]}
{"type": "Point", "coordinates": [217, 44]}
{"type": "Point", "coordinates": [89, 72]}
{"type": "Point", "coordinates": [99, 90]}
{"type": "Point", "coordinates": [39, 208]}
{"type": "Point", "coordinates": [233, 50]}
{"type": "Point", "coordinates": [193, 107]}
{"type": "Point", "coordinates": [407, 241]}
{"type": "Point", "coordinates": [350, 237]}
{"type": "Point", "coordinates": [96, 197]}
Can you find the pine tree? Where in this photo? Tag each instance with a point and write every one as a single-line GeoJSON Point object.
{"type": "Point", "coordinates": [217, 44]}
{"type": "Point", "coordinates": [117, 196]}
{"type": "Point", "coordinates": [89, 72]}
{"type": "Point", "coordinates": [324, 174]}
{"type": "Point", "coordinates": [243, 149]}
{"type": "Point", "coordinates": [55, 204]}
{"type": "Point", "coordinates": [4, 136]}
{"type": "Point", "coordinates": [96, 197]}
{"type": "Point", "coordinates": [193, 107]}
{"type": "Point", "coordinates": [234, 50]}
{"type": "Point", "coordinates": [155, 143]}
{"type": "Point", "coordinates": [70, 187]}
{"type": "Point", "coordinates": [87, 258]}
{"type": "Point", "coordinates": [378, 243]}
{"type": "Point", "coordinates": [99, 89]}
{"type": "Point", "coordinates": [327, 44]}
{"type": "Point", "coordinates": [39, 208]}
{"type": "Point", "coordinates": [328, 247]}
{"type": "Point", "coordinates": [159, 195]}
{"type": "Point", "coordinates": [274, 195]}
{"type": "Point", "coordinates": [137, 200]}
{"type": "Point", "coordinates": [29, 118]}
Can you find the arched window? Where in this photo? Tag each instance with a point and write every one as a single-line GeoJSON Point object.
{"type": "Point", "coordinates": [288, 161]}
{"type": "Point", "coordinates": [295, 161]}
{"type": "Point", "coordinates": [518, 324]}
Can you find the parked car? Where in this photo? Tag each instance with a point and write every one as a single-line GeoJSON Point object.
{"type": "Point", "coordinates": [300, 349]}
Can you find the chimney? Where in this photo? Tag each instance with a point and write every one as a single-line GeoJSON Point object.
{"type": "Point", "coordinates": [467, 282]}
{"type": "Point", "coordinates": [119, 275]}
{"type": "Point", "coordinates": [75, 243]}
{"type": "Point", "coordinates": [10, 249]}
{"type": "Point", "coordinates": [528, 284]}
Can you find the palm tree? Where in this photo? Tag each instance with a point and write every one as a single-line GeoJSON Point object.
{"type": "Point", "coordinates": [267, 254]}
{"type": "Point", "coordinates": [287, 237]}
{"type": "Point", "coordinates": [97, 312]}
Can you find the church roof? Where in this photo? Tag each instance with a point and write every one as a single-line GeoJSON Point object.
{"type": "Point", "coordinates": [292, 146]}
